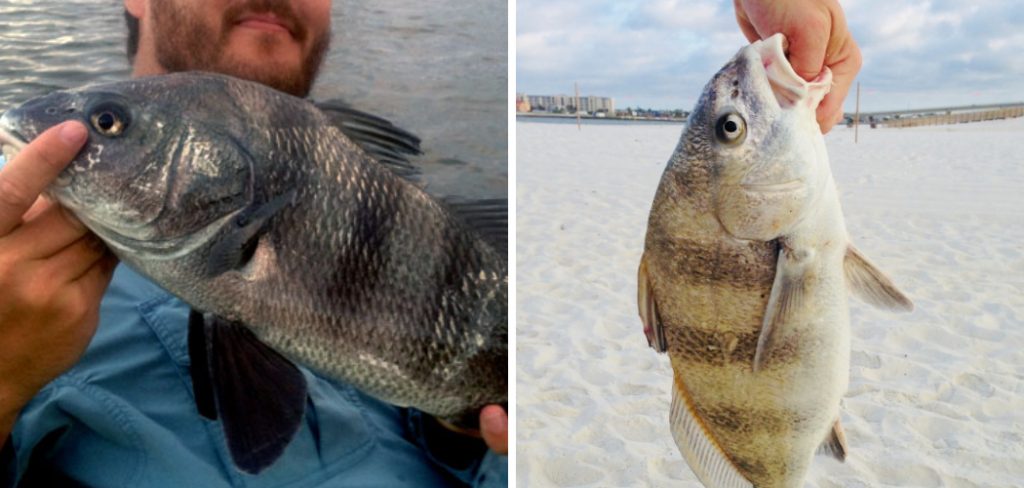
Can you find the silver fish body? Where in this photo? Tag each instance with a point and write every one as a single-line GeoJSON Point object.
{"type": "Point", "coordinates": [351, 270]}
{"type": "Point", "coordinates": [744, 278]}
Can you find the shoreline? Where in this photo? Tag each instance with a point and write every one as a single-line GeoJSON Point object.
{"type": "Point", "coordinates": [549, 116]}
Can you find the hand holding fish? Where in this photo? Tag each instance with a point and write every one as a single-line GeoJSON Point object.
{"type": "Point", "coordinates": [818, 38]}
{"type": "Point", "coordinates": [52, 273]}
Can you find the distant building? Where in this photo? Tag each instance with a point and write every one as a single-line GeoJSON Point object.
{"type": "Point", "coordinates": [555, 103]}
{"type": "Point", "coordinates": [522, 104]}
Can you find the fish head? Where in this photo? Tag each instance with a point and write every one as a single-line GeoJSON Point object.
{"type": "Point", "coordinates": [755, 123]}
{"type": "Point", "coordinates": [148, 180]}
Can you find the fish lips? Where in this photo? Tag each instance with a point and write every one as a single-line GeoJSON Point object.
{"type": "Point", "coordinates": [789, 88]}
{"type": "Point", "coordinates": [12, 141]}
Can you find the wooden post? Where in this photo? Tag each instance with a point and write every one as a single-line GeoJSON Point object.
{"type": "Point", "coordinates": [856, 116]}
{"type": "Point", "coordinates": [577, 87]}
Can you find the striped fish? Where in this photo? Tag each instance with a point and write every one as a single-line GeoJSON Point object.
{"type": "Point", "coordinates": [744, 278]}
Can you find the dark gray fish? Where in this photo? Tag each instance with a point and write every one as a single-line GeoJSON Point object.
{"type": "Point", "coordinates": [285, 231]}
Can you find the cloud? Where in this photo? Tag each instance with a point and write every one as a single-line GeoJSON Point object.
{"type": "Point", "coordinates": [638, 52]}
{"type": "Point", "coordinates": [660, 53]}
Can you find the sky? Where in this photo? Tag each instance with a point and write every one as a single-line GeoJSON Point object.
{"type": "Point", "coordinates": [660, 53]}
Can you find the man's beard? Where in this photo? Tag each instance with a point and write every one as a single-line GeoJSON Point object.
{"type": "Point", "coordinates": [184, 43]}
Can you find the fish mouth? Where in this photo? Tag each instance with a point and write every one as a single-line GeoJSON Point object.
{"type": "Point", "coordinates": [788, 87]}
{"type": "Point", "coordinates": [784, 187]}
{"type": "Point", "coordinates": [11, 141]}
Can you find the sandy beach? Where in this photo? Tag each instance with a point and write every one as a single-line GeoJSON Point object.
{"type": "Point", "coordinates": [936, 396]}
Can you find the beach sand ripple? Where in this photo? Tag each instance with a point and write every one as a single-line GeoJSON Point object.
{"type": "Point", "coordinates": [936, 397]}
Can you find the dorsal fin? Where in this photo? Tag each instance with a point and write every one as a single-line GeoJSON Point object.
{"type": "Point", "coordinates": [390, 145]}
{"type": "Point", "coordinates": [489, 217]}
{"type": "Point", "coordinates": [702, 453]}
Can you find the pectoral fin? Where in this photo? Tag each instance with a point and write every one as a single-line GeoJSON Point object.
{"type": "Point", "coordinates": [238, 246]}
{"type": "Point", "coordinates": [787, 296]}
{"type": "Point", "coordinates": [698, 446]}
{"type": "Point", "coordinates": [871, 285]}
{"type": "Point", "coordinates": [835, 443]}
{"type": "Point", "coordinates": [653, 328]}
{"type": "Point", "coordinates": [257, 394]}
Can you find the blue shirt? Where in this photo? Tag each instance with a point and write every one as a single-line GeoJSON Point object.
{"type": "Point", "coordinates": [125, 415]}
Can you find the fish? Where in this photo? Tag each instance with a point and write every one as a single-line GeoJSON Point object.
{"type": "Point", "coordinates": [298, 234]}
{"type": "Point", "coordinates": [745, 276]}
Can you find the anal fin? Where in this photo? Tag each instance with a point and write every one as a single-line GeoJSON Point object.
{"type": "Point", "coordinates": [695, 442]}
{"type": "Point", "coordinates": [653, 328]}
{"type": "Point", "coordinates": [835, 443]}
{"type": "Point", "coordinates": [258, 394]}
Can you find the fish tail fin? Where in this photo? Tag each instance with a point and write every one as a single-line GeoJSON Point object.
{"type": "Point", "coordinates": [707, 460]}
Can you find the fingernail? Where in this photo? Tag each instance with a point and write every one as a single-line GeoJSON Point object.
{"type": "Point", "coordinates": [494, 421]}
{"type": "Point", "coordinates": [73, 133]}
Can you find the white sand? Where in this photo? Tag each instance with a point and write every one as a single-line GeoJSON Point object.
{"type": "Point", "coordinates": [936, 396]}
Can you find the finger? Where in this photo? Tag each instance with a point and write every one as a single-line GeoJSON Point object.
{"type": "Point", "coordinates": [70, 263]}
{"type": "Point", "coordinates": [94, 280]}
{"type": "Point", "coordinates": [494, 428]}
{"type": "Point", "coordinates": [41, 204]}
{"type": "Point", "coordinates": [845, 67]}
{"type": "Point", "coordinates": [828, 114]}
{"type": "Point", "coordinates": [807, 45]}
{"type": "Point", "coordinates": [744, 22]}
{"type": "Point", "coordinates": [35, 166]}
{"type": "Point", "coordinates": [45, 235]}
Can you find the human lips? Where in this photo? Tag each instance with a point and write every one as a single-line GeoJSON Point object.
{"type": "Point", "coordinates": [265, 22]}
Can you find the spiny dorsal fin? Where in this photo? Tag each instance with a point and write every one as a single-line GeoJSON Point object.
{"type": "Point", "coordinates": [489, 217]}
{"type": "Point", "coordinates": [653, 328]}
{"type": "Point", "coordinates": [835, 443]}
{"type": "Point", "coordinates": [871, 285]}
{"type": "Point", "coordinates": [390, 145]}
{"type": "Point", "coordinates": [702, 453]}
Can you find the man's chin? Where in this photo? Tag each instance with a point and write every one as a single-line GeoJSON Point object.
{"type": "Point", "coordinates": [283, 75]}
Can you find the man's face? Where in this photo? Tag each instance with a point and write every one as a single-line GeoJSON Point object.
{"type": "Point", "coordinates": [280, 43]}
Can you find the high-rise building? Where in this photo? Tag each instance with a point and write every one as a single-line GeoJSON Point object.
{"type": "Point", "coordinates": [588, 103]}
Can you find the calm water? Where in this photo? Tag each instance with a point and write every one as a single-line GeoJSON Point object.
{"type": "Point", "coordinates": [437, 68]}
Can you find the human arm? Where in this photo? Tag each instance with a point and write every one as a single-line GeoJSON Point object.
{"type": "Point", "coordinates": [52, 273]}
{"type": "Point", "coordinates": [818, 37]}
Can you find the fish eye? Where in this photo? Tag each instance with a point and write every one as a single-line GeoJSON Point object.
{"type": "Point", "coordinates": [109, 120]}
{"type": "Point", "coordinates": [730, 129]}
